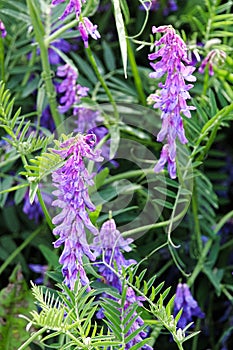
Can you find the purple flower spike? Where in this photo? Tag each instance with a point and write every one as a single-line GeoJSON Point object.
{"type": "Point", "coordinates": [72, 181]}
{"type": "Point", "coordinates": [2, 29]}
{"type": "Point", "coordinates": [86, 27]}
{"type": "Point", "coordinates": [110, 244]}
{"type": "Point", "coordinates": [185, 300]}
{"type": "Point", "coordinates": [172, 96]}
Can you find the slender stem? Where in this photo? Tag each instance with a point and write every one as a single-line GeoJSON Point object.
{"type": "Point", "coordinates": [30, 64]}
{"type": "Point", "coordinates": [2, 66]}
{"type": "Point", "coordinates": [197, 229]}
{"type": "Point", "coordinates": [136, 76]}
{"type": "Point", "coordinates": [128, 174]}
{"type": "Point", "coordinates": [19, 249]}
{"type": "Point", "coordinates": [102, 81]}
{"type": "Point", "coordinates": [195, 339]}
{"type": "Point", "coordinates": [227, 245]}
{"type": "Point", "coordinates": [47, 73]}
{"type": "Point", "coordinates": [200, 263]}
{"type": "Point", "coordinates": [156, 225]}
{"type": "Point", "coordinates": [223, 221]}
{"type": "Point", "coordinates": [45, 210]}
{"type": "Point", "coordinates": [60, 31]}
{"type": "Point", "coordinates": [33, 337]}
{"type": "Point", "coordinates": [14, 188]}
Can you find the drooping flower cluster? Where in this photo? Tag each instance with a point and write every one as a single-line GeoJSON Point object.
{"type": "Point", "coordinates": [214, 58]}
{"type": "Point", "coordinates": [109, 245]}
{"type": "Point", "coordinates": [72, 181]}
{"type": "Point", "coordinates": [172, 96]}
{"type": "Point", "coordinates": [2, 30]}
{"type": "Point", "coordinates": [69, 87]}
{"type": "Point", "coordinates": [185, 300]}
{"type": "Point", "coordinates": [85, 26]}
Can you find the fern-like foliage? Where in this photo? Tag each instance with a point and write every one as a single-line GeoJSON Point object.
{"type": "Point", "coordinates": [212, 20]}
{"type": "Point", "coordinates": [16, 126]}
{"type": "Point", "coordinates": [120, 319]}
{"type": "Point", "coordinates": [155, 298]}
{"type": "Point", "coordinates": [70, 314]}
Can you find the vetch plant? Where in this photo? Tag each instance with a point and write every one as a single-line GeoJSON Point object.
{"type": "Point", "coordinates": [72, 181]}
{"type": "Point", "coordinates": [130, 255]}
{"type": "Point", "coordinates": [171, 99]}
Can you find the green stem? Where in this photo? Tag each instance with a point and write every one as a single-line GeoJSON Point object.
{"type": "Point", "coordinates": [136, 76]}
{"type": "Point", "coordinates": [47, 73]}
{"type": "Point", "coordinates": [128, 174]}
{"type": "Point", "coordinates": [197, 229]}
{"type": "Point", "coordinates": [19, 249]}
{"type": "Point", "coordinates": [222, 222]}
{"type": "Point", "coordinates": [210, 124]}
{"type": "Point", "coordinates": [45, 210]}
{"type": "Point", "coordinates": [2, 66]}
{"type": "Point", "coordinates": [227, 245]}
{"type": "Point", "coordinates": [33, 337]}
{"type": "Point", "coordinates": [195, 339]}
{"type": "Point", "coordinates": [14, 188]}
{"type": "Point", "coordinates": [156, 225]}
{"type": "Point", "coordinates": [200, 263]}
{"type": "Point", "coordinates": [102, 81]}
{"type": "Point", "coordinates": [59, 32]}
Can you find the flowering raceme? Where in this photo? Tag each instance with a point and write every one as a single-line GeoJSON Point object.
{"type": "Point", "coordinates": [86, 27]}
{"type": "Point", "coordinates": [172, 96]}
{"type": "Point", "coordinates": [72, 181]}
{"type": "Point", "coordinates": [109, 244]}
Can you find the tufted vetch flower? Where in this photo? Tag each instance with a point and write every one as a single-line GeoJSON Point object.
{"type": "Point", "coordinates": [72, 181]}
{"type": "Point", "coordinates": [185, 300]}
{"type": "Point", "coordinates": [109, 246]}
{"type": "Point", "coordinates": [172, 95]}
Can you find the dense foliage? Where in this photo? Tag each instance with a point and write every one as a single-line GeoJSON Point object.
{"type": "Point", "coordinates": [116, 169]}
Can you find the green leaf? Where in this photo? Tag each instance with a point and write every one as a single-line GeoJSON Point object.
{"type": "Point", "coordinates": [215, 276]}
{"type": "Point", "coordinates": [121, 33]}
{"type": "Point", "coordinates": [18, 15]}
{"type": "Point", "coordinates": [125, 10]}
{"type": "Point", "coordinates": [5, 184]}
{"type": "Point", "coordinates": [15, 300]}
{"type": "Point", "coordinates": [19, 195]}
{"type": "Point", "coordinates": [32, 191]}
{"type": "Point", "coordinates": [49, 255]}
{"type": "Point", "coordinates": [109, 58]}
{"type": "Point", "coordinates": [115, 139]}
